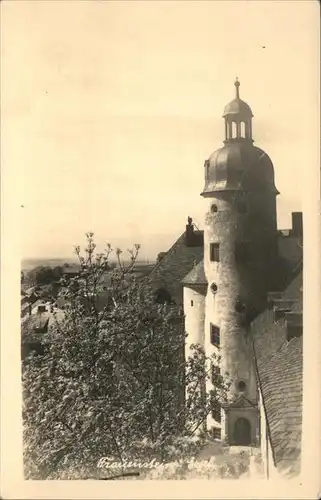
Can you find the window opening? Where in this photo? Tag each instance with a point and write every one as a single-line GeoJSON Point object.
{"type": "Point", "coordinates": [241, 386]}
{"type": "Point", "coordinates": [214, 252]}
{"type": "Point", "coordinates": [207, 167]}
{"type": "Point", "coordinates": [215, 335]}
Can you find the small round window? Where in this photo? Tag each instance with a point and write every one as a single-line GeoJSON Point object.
{"type": "Point", "coordinates": [241, 385]}
{"type": "Point", "coordinates": [214, 209]}
{"type": "Point", "coordinates": [214, 287]}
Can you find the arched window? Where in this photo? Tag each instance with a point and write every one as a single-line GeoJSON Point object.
{"type": "Point", "coordinates": [243, 129]}
{"type": "Point", "coordinates": [234, 130]}
{"type": "Point", "coordinates": [162, 296]}
{"type": "Point", "coordinates": [242, 432]}
{"type": "Point", "coordinates": [241, 386]}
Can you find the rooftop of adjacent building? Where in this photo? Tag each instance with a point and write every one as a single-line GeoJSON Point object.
{"type": "Point", "coordinates": [183, 263]}
{"type": "Point", "coordinates": [277, 348]}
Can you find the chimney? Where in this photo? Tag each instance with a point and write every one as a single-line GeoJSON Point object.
{"type": "Point", "coordinates": [297, 224]}
{"type": "Point", "coordinates": [189, 234]}
{"type": "Point", "coordinates": [193, 238]}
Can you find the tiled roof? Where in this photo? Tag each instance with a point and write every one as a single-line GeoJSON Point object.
{"type": "Point", "coordinates": [279, 361]}
{"type": "Point", "coordinates": [33, 323]}
{"type": "Point", "coordinates": [178, 261]}
{"type": "Point", "coordinates": [279, 369]}
{"type": "Point", "coordinates": [281, 385]}
{"type": "Point", "coordinates": [290, 253]}
{"type": "Point", "coordinates": [196, 276]}
{"type": "Point", "coordinates": [290, 248]}
{"type": "Point", "coordinates": [179, 264]}
{"type": "Point", "coordinates": [294, 289]}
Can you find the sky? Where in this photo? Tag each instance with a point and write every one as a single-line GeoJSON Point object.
{"type": "Point", "coordinates": [109, 110]}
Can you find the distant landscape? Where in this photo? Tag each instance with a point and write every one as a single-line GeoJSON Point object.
{"type": "Point", "coordinates": [28, 264]}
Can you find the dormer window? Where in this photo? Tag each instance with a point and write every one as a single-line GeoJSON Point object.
{"type": "Point", "coordinates": [207, 167]}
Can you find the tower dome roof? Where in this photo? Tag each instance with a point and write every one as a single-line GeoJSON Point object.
{"type": "Point", "coordinates": [237, 106]}
{"type": "Point", "coordinates": [239, 165]}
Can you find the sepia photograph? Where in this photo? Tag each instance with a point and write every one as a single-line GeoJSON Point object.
{"type": "Point", "coordinates": [160, 178]}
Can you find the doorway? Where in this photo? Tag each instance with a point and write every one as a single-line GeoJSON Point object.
{"type": "Point", "coordinates": [242, 432]}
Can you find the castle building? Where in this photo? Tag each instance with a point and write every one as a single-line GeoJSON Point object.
{"type": "Point", "coordinates": [240, 284]}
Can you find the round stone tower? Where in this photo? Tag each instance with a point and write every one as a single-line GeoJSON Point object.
{"type": "Point", "coordinates": [240, 251]}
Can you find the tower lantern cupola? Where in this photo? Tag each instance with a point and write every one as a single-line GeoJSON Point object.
{"type": "Point", "coordinates": [238, 165]}
{"type": "Point", "coordinates": [238, 118]}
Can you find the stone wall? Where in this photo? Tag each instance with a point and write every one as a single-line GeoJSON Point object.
{"type": "Point", "coordinates": [245, 282]}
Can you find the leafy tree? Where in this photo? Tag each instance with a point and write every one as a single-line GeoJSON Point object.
{"type": "Point", "coordinates": [44, 275]}
{"type": "Point", "coordinates": [113, 372]}
{"type": "Point", "coordinates": [57, 273]}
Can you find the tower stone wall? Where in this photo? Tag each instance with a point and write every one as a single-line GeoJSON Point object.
{"type": "Point", "coordinates": [236, 285]}
{"type": "Point", "coordinates": [240, 251]}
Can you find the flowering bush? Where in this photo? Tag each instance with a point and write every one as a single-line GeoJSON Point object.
{"type": "Point", "coordinates": [112, 377]}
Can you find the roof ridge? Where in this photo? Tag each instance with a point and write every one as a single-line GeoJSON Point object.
{"type": "Point", "coordinates": [167, 253]}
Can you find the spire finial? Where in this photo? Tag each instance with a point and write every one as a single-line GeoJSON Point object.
{"type": "Point", "coordinates": [237, 85]}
